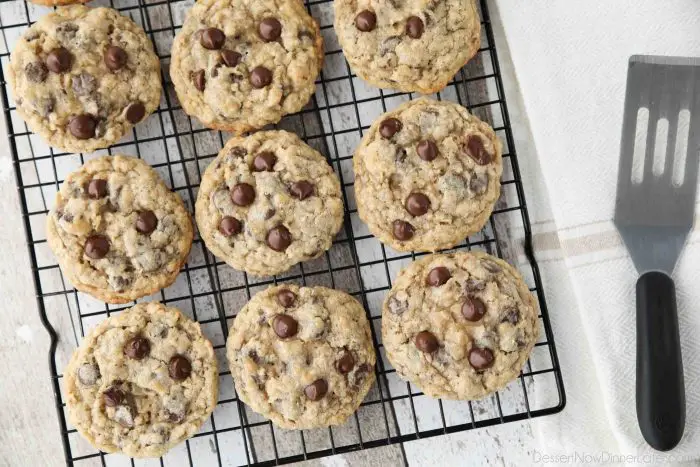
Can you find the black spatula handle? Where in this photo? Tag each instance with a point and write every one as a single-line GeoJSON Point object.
{"type": "Point", "coordinates": [660, 390]}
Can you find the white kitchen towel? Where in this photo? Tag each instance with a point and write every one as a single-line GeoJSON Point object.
{"type": "Point", "coordinates": [570, 60]}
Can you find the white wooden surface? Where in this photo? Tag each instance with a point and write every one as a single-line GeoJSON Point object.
{"type": "Point", "coordinates": [29, 434]}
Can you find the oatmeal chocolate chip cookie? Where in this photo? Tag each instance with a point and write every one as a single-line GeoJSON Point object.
{"type": "Point", "coordinates": [427, 175]}
{"type": "Point", "coordinates": [412, 45]}
{"type": "Point", "coordinates": [83, 77]}
{"type": "Point", "coordinates": [118, 232]}
{"type": "Point", "coordinates": [268, 202]}
{"type": "Point", "coordinates": [459, 326]}
{"type": "Point", "coordinates": [302, 356]}
{"type": "Point", "coordinates": [142, 381]}
{"type": "Point", "coordinates": [238, 65]}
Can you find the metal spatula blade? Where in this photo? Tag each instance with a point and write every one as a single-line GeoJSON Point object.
{"type": "Point", "coordinates": [656, 189]}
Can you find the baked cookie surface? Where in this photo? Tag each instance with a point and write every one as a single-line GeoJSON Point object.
{"type": "Point", "coordinates": [238, 65]}
{"type": "Point", "coordinates": [142, 381]}
{"type": "Point", "coordinates": [302, 356]}
{"type": "Point", "coordinates": [427, 175]}
{"type": "Point", "coordinates": [117, 231]}
{"type": "Point", "coordinates": [459, 326]}
{"type": "Point", "coordinates": [412, 45]}
{"type": "Point", "coordinates": [83, 77]}
{"type": "Point", "coordinates": [267, 202]}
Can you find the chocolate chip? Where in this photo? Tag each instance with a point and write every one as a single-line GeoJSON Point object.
{"type": "Point", "coordinates": [260, 77]}
{"type": "Point", "coordinates": [475, 149]}
{"type": "Point", "coordinates": [427, 150]}
{"type": "Point", "coordinates": [417, 204]}
{"type": "Point", "coordinates": [212, 38]}
{"type": "Point", "coordinates": [478, 183]}
{"type": "Point", "coordinates": [279, 238]}
{"type": "Point", "coordinates": [438, 276]}
{"type": "Point", "coordinates": [270, 29]}
{"type": "Point", "coordinates": [146, 222]}
{"type": "Point", "coordinates": [473, 309]}
{"type": "Point", "coordinates": [84, 84]}
{"type": "Point", "coordinates": [426, 342]}
{"type": "Point", "coordinates": [36, 72]}
{"type": "Point", "coordinates": [230, 226]}
{"type": "Point", "coordinates": [414, 27]}
{"type": "Point", "coordinates": [97, 247]}
{"type": "Point", "coordinates": [390, 127]}
{"type": "Point", "coordinates": [199, 80]}
{"type": "Point", "coordinates": [243, 194]}
{"type": "Point", "coordinates": [179, 368]}
{"type": "Point", "coordinates": [286, 298]}
{"type": "Point", "coordinates": [264, 162]}
{"type": "Point", "coordinates": [269, 214]}
{"type": "Point", "coordinates": [230, 57]}
{"type": "Point", "coordinates": [480, 359]}
{"type": "Point", "coordinates": [511, 315]}
{"type": "Point", "coordinates": [346, 363]}
{"type": "Point", "coordinates": [88, 374]}
{"type": "Point", "coordinates": [366, 21]}
{"type": "Point", "coordinates": [301, 189]}
{"type": "Point", "coordinates": [115, 57]}
{"type": "Point", "coordinates": [97, 188]}
{"type": "Point", "coordinates": [82, 126]}
{"type": "Point", "coordinates": [113, 396]}
{"type": "Point", "coordinates": [137, 348]}
{"type": "Point", "coordinates": [285, 326]}
{"type": "Point", "coordinates": [402, 230]}
{"type": "Point", "coordinates": [135, 112]}
{"type": "Point", "coordinates": [59, 60]}
{"type": "Point", "coordinates": [490, 266]}
{"type": "Point", "coordinates": [237, 152]}
{"type": "Point", "coordinates": [316, 390]}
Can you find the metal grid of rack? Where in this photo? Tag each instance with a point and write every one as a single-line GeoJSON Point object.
{"type": "Point", "coordinates": [209, 291]}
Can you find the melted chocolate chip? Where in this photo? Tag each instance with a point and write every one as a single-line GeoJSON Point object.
{"type": "Point", "coordinates": [82, 126]}
{"type": "Point", "coordinates": [316, 390]}
{"type": "Point", "coordinates": [270, 29]}
{"type": "Point", "coordinates": [243, 194]}
{"type": "Point", "coordinates": [36, 72]}
{"type": "Point", "coordinates": [264, 162]}
{"type": "Point", "coordinates": [59, 60]}
{"type": "Point", "coordinates": [285, 326]}
{"type": "Point", "coordinates": [417, 204]}
{"type": "Point", "coordinates": [113, 396]}
{"type": "Point", "coordinates": [473, 309]}
{"type": "Point", "coordinates": [230, 226]}
{"type": "Point", "coordinates": [199, 79]}
{"type": "Point", "coordinates": [346, 363]}
{"type": "Point", "coordinates": [135, 112]}
{"type": "Point", "coordinates": [438, 276]}
{"type": "Point", "coordinates": [115, 58]}
{"type": "Point", "coordinates": [286, 298]}
{"type": "Point", "coordinates": [301, 189]}
{"type": "Point", "coordinates": [427, 150]}
{"type": "Point", "coordinates": [230, 58]}
{"type": "Point", "coordinates": [146, 222]}
{"type": "Point", "coordinates": [402, 230]}
{"type": "Point", "coordinates": [97, 188]}
{"type": "Point", "coordinates": [426, 342]}
{"type": "Point", "coordinates": [212, 38]}
{"type": "Point", "coordinates": [476, 150]}
{"type": "Point", "coordinates": [414, 27]}
{"type": "Point", "coordinates": [390, 127]}
{"type": "Point", "coordinates": [279, 238]}
{"type": "Point", "coordinates": [137, 348]}
{"type": "Point", "coordinates": [260, 77]}
{"type": "Point", "coordinates": [366, 21]}
{"type": "Point", "coordinates": [481, 359]}
{"type": "Point", "coordinates": [179, 368]}
{"type": "Point", "coordinates": [97, 247]}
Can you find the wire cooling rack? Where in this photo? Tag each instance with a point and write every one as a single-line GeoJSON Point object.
{"type": "Point", "coordinates": [209, 291]}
